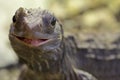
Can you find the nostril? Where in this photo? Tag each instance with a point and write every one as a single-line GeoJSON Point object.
{"type": "Point", "coordinates": [28, 11]}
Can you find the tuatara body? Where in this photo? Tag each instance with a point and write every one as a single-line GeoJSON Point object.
{"type": "Point", "coordinates": [100, 55]}
{"type": "Point", "coordinates": [37, 38]}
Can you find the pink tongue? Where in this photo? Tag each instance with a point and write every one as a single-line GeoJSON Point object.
{"type": "Point", "coordinates": [34, 42]}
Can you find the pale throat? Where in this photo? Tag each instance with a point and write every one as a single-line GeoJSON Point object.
{"type": "Point", "coordinates": [47, 62]}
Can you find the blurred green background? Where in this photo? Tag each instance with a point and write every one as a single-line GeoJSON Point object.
{"type": "Point", "coordinates": [77, 16]}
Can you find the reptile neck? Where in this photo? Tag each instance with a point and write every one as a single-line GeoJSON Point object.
{"type": "Point", "coordinates": [45, 63]}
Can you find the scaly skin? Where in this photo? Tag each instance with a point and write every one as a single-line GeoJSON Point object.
{"type": "Point", "coordinates": [99, 54]}
{"type": "Point", "coordinates": [37, 38]}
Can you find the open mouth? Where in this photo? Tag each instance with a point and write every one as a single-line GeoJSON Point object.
{"type": "Point", "coordinates": [33, 42]}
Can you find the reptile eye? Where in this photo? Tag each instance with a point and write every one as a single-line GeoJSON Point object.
{"type": "Point", "coordinates": [14, 18]}
{"type": "Point", "coordinates": [53, 21]}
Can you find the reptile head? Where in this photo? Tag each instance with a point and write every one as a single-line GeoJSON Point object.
{"type": "Point", "coordinates": [35, 27]}
{"type": "Point", "coordinates": [36, 37]}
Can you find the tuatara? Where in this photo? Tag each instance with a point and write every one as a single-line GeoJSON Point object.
{"type": "Point", "coordinates": [37, 37]}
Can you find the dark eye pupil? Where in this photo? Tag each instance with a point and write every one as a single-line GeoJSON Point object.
{"type": "Point", "coordinates": [14, 18]}
{"type": "Point", "coordinates": [53, 21]}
